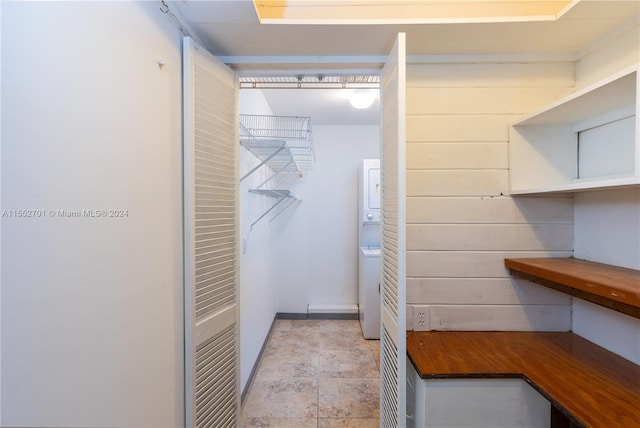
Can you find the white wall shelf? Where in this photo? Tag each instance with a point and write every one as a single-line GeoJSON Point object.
{"type": "Point", "coordinates": [283, 143]}
{"type": "Point", "coordinates": [586, 141]}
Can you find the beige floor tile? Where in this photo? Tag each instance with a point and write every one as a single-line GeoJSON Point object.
{"type": "Point", "coordinates": [343, 341]}
{"type": "Point", "coordinates": [278, 423]}
{"type": "Point", "coordinates": [315, 373]}
{"type": "Point", "coordinates": [339, 325]}
{"type": "Point", "coordinates": [375, 349]}
{"type": "Point", "coordinates": [349, 398]}
{"type": "Point", "coordinates": [292, 363]}
{"type": "Point", "coordinates": [305, 330]}
{"type": "Point", "coordinates": [309, 326]}
{"type": "Point", "coordinates": [347, 364]}
{"type": "Point", "coordinates": [348, 423]}
{"type": "Point", "coordinates": [288, 340]}
{"type": "Point", "coordinates": [282, 398]}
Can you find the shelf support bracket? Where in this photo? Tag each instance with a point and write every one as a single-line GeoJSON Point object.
{"type": "Point", "coordinates": [283, 209]}
{"type": "Point", "coordinates": [274, 175]}
{"type": "Point", "coordinates": [267, 212]}
{"type": "Point", "coordinates": [262, 163]}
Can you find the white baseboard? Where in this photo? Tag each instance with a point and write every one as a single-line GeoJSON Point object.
{"type": "Point", "coordinates": [332, 309]}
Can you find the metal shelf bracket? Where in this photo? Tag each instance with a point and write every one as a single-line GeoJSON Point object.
{"type": "Point", "coordinates": [281, 195]}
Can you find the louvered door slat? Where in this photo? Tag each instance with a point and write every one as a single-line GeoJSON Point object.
{"type": "Point", "coordinates": [211, 236]}
{"type": "Point", "coordinates": [393, 346]}
{"type": "Point", "coordinates": [213, 389]}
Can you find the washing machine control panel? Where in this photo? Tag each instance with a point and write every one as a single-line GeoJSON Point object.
{"type": "Point", "coordinates": [371, 194]}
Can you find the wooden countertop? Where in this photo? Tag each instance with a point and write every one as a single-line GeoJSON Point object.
{"type": "Point", "coordinates": [587, 383]}
{"type": "Point", "coordinates": [614, 287]}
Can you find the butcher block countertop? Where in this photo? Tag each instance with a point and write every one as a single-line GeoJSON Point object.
{"type": "Point", "coordinates": [614, 287]}
{"type": "Point", "coordinates": [586, 383]}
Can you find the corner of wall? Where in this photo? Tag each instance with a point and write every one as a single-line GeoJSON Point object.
{"type": "Point", "coordinates": [614, 331]}
{"type": "Point", "coordinates": [257, 280]}
{"type": "Point", "coordinates": [613, 52]}
{"type": "Point", "coordinates": [607, 223]}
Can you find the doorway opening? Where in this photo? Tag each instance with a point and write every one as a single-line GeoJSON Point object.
{"type": "Point", "coordinates": [302, 261]}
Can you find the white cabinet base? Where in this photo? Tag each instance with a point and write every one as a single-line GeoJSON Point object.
{"type": "Point", "coordinates": [466, 403]}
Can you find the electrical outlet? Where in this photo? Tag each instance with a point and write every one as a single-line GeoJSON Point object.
{"type": "Point", "coordinates": [421, 318]}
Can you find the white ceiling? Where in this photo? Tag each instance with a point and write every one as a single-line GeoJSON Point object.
{"type": "Point", "coordinates": [324, 106]}
{"type": "Point", "coordinates": [231, 30]}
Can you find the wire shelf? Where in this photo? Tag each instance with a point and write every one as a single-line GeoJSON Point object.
{"type": "Point", "coordinates": [284, 143]}
{"type": "Point", "coordinates": [277, 193]}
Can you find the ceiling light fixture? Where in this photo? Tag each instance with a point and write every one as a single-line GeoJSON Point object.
{"type": "Point", "coordinates": [362, 98]}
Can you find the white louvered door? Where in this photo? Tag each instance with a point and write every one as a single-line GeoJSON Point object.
{"type": "Point", "coordinates": [210, 238]}
{"type": "Point", "coordinates": [393, 337]}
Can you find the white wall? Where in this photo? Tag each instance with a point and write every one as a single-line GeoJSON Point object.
{"type": "Point", "coordinates": [91, 307]}
{"type": "Point", "coordinates": [316, 241]}
{"type": "Point", "coordinates": [607, 230]}
{"type": "Point", "coordinates": [461, 221]}
{"type": "Point", "coordinates": [257, 263]}
{"type": "Point", "coordinates": [607, 227]}
{"type": "Point", "coordinates": [615, 51]}
{"type": "Point", "coordinates": [607, 223]}
{"type": "Point", "coordinates": [0, 207]}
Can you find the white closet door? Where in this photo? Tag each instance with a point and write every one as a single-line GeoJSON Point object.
{"type": "Point", "coordinates": [393, 337]}
{"type": "Point", "coordinates": [211, 237]}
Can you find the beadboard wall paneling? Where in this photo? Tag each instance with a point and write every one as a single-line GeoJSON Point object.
{"type": "Point", "coordinates": [500, 317]}
{"type": "Point", "coordinates": [480, 100]}
{"type": "Point", "coordinates": [458, 128]}
{"type": "Point", "coordinates": [462, 222]}
{"type": "Point", "coordinates": [481, 291]}
{"type": "Point", "coordinates": [489, 237]}
{"type": "Point", "coordinates": [489, 209]}
{"type": "Point", "coordinates": [467, 264]}
{"type": "Point", "coordinates": [460, 155]}
{"type": "Point", "coordinates": [506, 75]}
{"type": "Point", "coordinates": [458, 182]}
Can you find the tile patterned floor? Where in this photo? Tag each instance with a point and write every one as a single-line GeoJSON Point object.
{"type": "Point", "coordinates": [316, 374]}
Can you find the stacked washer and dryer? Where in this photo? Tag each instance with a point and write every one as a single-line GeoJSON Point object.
{"type": "Point", "coordinates": [369, 198]}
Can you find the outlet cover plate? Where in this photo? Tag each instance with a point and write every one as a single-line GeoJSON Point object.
{"type": "Point", "coordinates": [421, 318]}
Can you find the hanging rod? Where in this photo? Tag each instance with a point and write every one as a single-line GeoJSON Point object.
{"type": "Point", "coordinates": [319, 81]}
{"type": "Point", "coordinates": [263, 85]}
